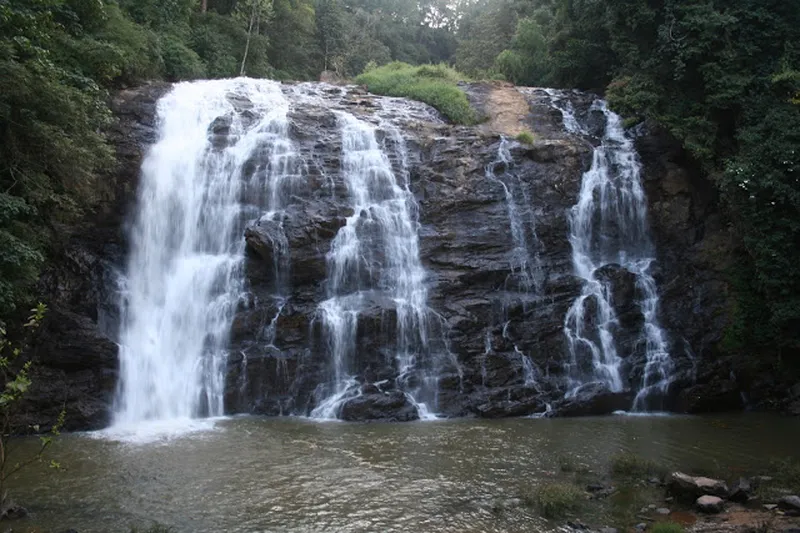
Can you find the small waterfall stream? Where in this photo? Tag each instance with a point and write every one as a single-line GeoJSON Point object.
{"type": "Point", "coordinates": [375, 256]}
{"type": "Point", "coordinates": [608, 228]}
{"type": "Point", "coordinates": [525, 281]}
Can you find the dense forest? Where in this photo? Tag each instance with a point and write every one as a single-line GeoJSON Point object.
{"type": "Point", "coordinates": [723, 77]}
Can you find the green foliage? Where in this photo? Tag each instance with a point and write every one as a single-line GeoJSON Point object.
{"type": "Point", "coordinates": [432, 84]}
{"type": "Point", "coordinates": [15, 374]}
{"type": "Point", "coordinates": [525, 137]}
{"type": "Point", "coordinates": [666, 527]}
{"type": "Point", "coordinates": [555, 500]}
{"type": "Point", "coordinates": [50, 145]}
{"type": "Point", "coordinates": [180, 62]}
{"type": "Point", "coordinates": [631, 465]}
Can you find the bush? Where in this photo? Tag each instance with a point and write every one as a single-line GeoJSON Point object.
{"type": "Point", "coordinates": [525, 137]}
{"type": "Point", "coordinates": [554, 500]}
{"type": "Point", "coordinates": [180, 63]}
{"type": "Point", "coordinates": [433, 84]}
{"type": "Point", "coordinates": [666, 527]}
{"type": "Point", "coordinates": [631, 465]}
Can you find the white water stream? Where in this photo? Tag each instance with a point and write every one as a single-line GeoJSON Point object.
{"type": "Point", "coordinates": [184, 274]}
{"type": "Point", "coordinates": [375, 256]}
{"type": "Point", "coordinates": [608, 226]}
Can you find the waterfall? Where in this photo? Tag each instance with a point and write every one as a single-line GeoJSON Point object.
{"type": "Point", "coordinates": [524, 257]}
{"type": "Point", "coordinates": [525, 280]}
{"type": "Point", "coordinates": [184, 274]}
{"type": "Point", "coordinates": [375, 260]}
{"type": "Point", "coordinates": [608, 227]}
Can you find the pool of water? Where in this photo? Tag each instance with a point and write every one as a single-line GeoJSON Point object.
{"type": "Point", "coordinates": [300, 476]}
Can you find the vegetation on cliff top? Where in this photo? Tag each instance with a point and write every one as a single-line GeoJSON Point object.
{"type": "Point", "coordinates": [432, 84]}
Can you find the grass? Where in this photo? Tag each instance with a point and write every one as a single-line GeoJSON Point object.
{"type": "Point", "coordinates": [525, 137]}
{"type": "Point", "coordinates": [433, 84]}
{"type": "Point", "coordinates": [785, 476]}
{"type": "Point", "coordinates": [631, 465]}
{"type": "Point", "coordinates": [555, 500]}
{"type": "Point", "coordinates": [666, 527]}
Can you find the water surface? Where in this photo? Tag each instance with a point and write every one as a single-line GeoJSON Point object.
{"type": "Point", "coordinates": [300, 476]}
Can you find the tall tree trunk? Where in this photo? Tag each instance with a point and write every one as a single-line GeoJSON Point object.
{"type": "Point", "coordinates": [203, 6]}
{"type": "Point", "coordinates": [249, 35]}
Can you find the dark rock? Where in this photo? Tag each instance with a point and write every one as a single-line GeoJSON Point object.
{"type": "Point", "coordinates": [710, 504]}
{"type": "Point", "coordinates": [720, 395]}
{"type": "Point", "coordinates": [594, 399]}
{"type": "Point", "coordinates": [12, 511]}
{"type": "Point", "coordinates": [267, 239]}
{"type": "Point", "coordinates": [504, 409]}
{"type": "Point", "coordinates": [388, 407]}
{"type": "Point", "coordinates": [688, 488]}
{"type": "Point", "coordinates": [741, 491]}
{"type": "Point", "coordinates": [789, 504]}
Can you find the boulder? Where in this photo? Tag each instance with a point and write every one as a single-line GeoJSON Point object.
{"type": "Point", "coordinates": [593, 399]}
{"type": "Point", "coordinates": [710, 504]}
{"type": "Point", "coordinates": [790, 504]}
{"type": "Point", "coordinates": [389, 407]}
{"type": "Point", "coordinates": [509, 408]}
{"type": "Point", "coordinates": [688, 488]}
{"type": "Point", "coordinates": [741, 491]}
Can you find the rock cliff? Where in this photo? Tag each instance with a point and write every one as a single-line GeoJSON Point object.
{"type": "Point", "coordinates": [485, 317]}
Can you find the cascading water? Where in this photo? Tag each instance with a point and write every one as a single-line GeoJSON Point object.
{"type": "Point", "coordinates": [525, 281]}
{"type": "Point", "coordinates": [375, 256]}
{"type": "Point", "coordinates": [608, 226]}
{"type": "Point", "coordinates": [184, 275]}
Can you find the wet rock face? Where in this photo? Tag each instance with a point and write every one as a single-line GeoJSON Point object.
{"type": "Point", "coordinates": [384, 407]}
{"type": "Point", "coordinates": [479, 301]}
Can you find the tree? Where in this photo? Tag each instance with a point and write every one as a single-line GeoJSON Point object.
{"type": "Point", "coordinates": [330, 22]}
{"type": "Point", "coordinates": [17, 381]}
{"type": "Point", "coordinates": [253, 13]}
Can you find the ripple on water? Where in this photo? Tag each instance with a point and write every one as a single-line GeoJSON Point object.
{"type": "Point", "coordinates": [296, 476]}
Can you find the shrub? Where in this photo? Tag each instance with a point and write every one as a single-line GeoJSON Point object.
{"type": "Point", "coordinates": [631, 465]}
{"type": "Point", "coordinates": [433, 84]}
{"type": "Point", "coordinates": [525, 137]}
{"type": "Point", "coordinates": [554, 500]}
{"type": "Point", "coordinates": [180, 62]}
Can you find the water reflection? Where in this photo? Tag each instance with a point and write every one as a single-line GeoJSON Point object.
{"type": "Point", "coordinates": [289, 475]}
